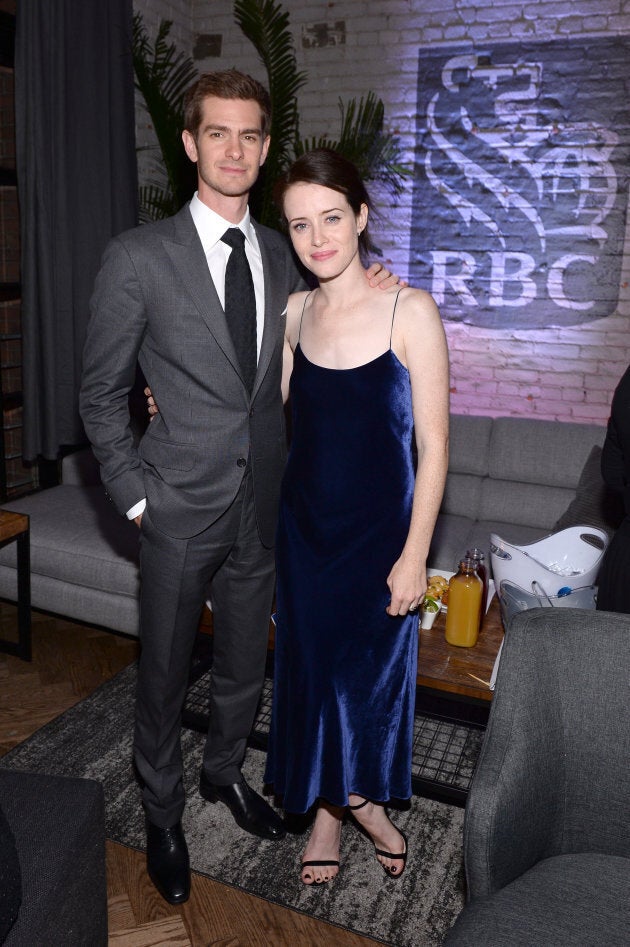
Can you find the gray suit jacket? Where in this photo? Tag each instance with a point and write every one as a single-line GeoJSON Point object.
{"type": "Point", "coordinates": [154, 302]}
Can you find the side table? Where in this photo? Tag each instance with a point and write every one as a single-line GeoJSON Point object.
{"type": "Point", "coordinates": [15, 527]}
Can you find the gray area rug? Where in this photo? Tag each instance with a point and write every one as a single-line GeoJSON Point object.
{"type": "Point", "coordinates": [93, 739]}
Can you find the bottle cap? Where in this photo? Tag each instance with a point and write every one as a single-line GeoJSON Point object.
{"type": "Point", "coordinates": [475, 553]}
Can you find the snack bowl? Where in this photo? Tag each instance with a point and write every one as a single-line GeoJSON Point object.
{"type": "Point", "coordinates": [431, 608]}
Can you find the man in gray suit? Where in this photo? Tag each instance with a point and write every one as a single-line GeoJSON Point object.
{"type": "Point", "coordinates": [203, 483]}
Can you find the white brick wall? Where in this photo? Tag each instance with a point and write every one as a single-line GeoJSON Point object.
{"type": "Point", "coordinates": [565, 374]}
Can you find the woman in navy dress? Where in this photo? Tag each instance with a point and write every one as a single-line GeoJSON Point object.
{"type": "Point", "coordinates": [368, 378]}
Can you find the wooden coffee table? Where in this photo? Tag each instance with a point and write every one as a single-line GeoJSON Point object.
{"type": "Point", "coordinates": [442, 668]}
{"type": "Point", "coordinates": [453, 700]}
{"type": "Point", "coordinates": [460, 672]}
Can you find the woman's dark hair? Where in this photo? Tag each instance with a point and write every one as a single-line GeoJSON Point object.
{"type": "Point", "coordinates": [328, 168]}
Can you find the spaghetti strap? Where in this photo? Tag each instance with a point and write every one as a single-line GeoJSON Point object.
{"type": "Point", "coordinates": [302, 316]}
{"type": "Point", "coordinates": [391, 331]}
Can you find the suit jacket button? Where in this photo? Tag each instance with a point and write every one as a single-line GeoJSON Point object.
{"type": "Point", "coordinates": [241, 462]}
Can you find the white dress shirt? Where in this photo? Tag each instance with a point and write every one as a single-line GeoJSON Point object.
{"type": "Point", "coordinates": [211, 227]}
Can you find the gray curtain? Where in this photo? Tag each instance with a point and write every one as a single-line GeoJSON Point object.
{"type": "Point", "coordinates": [77, 187]}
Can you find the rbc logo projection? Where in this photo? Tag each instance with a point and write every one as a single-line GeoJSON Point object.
{"type": "Point", "coordinates": [521, 181]}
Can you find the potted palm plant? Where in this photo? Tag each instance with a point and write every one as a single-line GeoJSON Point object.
{"type": "Point", "coordinates": [363, 138]}
{"type": "Point", "coordinates": [162, 75]}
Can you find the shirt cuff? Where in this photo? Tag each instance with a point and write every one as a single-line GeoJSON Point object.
{"type": "Point", "coordinates": [136, 510]}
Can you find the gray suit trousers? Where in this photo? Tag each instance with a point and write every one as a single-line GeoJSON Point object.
{"type": "Point", "coordinates": [175, 575]}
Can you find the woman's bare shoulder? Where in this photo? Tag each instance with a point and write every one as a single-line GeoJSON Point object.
{"type": "Point", "coordinates": [295, 307]}
{"type": "Point", "coordinates": [417, 319]}
{"type": "Point", "coordinates": [416, 306]}
{"type": "Point", "coordinates": [412, 299]}
{"type": "Point", "coordinates": [296, 300]}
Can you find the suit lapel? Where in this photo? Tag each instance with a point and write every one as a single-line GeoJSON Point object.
{"type": "Point", "coordinates": [186, 254]}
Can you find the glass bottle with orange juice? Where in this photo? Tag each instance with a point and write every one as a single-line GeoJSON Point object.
{"type": "Point", "coordinates": [465, 593]}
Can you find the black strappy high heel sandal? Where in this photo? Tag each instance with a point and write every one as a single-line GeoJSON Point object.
{"type": "Point", "coordinates": [391, 873]}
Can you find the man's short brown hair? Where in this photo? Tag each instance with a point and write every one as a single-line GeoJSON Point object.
{"type": "Point", "coordinates": [229, 84]}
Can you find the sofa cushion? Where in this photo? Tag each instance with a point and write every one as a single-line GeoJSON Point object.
{"type": "Point", "coordinates": [524, 504]}
{"type": "Point", "coordinates": [594, 503]}
{"type": "Point", "coordinates": [81, 469]}
{"type": "Point", "coordinates": [78, 537]}
{"type": "Point", "coordinates": [462, 495]}
{"type": "Point", "coordinates": [449, 542]}
{"type": "Point", "coordinates": [542, 452]}
{"type": "Point", "coordinates": [566, 900]}
{"type": "Point", "coordinates": [469, 443]}
{"type": "Point", "coordinates": [10, 879]}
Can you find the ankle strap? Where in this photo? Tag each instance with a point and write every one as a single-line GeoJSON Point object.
{"type": "Point", "coordinates": [359, 805]}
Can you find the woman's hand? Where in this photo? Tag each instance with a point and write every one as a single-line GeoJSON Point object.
{"type": "Point", "coordinates": [407, 583]}
{"type": "Point", "coordinates": [152, 408]}
{"type": "Point", "coordinates": [377, 275]}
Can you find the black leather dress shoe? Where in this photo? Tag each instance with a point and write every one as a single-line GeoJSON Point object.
{"type": "Point", "coordinates": [167, 862]}
{"type": "Point", "coordinates": [250, 810]}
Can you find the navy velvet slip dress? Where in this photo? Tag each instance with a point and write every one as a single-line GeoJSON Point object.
{"type": "Point", "coordinates": [345, 671]}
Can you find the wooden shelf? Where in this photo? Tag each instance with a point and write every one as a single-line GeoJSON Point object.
{"type": "Point", "coordinates": [15, 477]}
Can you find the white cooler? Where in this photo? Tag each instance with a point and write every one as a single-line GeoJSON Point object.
{"type": "Point", "coordinates": [557, 564]}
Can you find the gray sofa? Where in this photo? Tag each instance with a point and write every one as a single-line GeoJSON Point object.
{"type": "Point", "coordinates": [518, 478]}
{"type": "Point", "coordinates": [84, 555]}
{"type": "Point", "coordinates": [513, 476]}
{"type": "Point", "coordinates": [546, 840]}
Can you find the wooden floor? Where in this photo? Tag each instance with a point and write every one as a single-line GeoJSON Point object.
{"type": "Point", "coordinates": [69, 662]}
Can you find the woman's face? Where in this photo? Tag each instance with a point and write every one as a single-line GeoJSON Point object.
{"type": "Point", "coordinates": [323, 227]}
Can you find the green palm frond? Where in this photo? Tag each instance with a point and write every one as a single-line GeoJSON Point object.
{"type": "Point", "coordinates": [155, 203]}
{"type": "Point", "coordinates": [363, 140]}
{"type": "Point", "coordinates": [162, 76]}
{"type": "Point", "coordinates": [376, 152]}
{"type": "Point", "coordinates": [266, 25]}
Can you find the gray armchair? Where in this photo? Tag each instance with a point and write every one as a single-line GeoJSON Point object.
{"type": "Point", "coordinates": [547, 824]}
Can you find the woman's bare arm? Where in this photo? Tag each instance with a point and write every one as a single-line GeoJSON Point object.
{"type": "Point", "coordinates": [420, 332]}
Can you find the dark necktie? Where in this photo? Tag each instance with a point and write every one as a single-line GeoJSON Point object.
{"type": "Point", "coordinates": [240, 305]}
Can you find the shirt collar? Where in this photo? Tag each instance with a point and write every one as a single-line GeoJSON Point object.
{"type": "Point", "coordinates": [211, 226]}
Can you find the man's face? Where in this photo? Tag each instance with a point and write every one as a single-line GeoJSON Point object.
{"type": "Point", "coordinates": [229, 147]}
